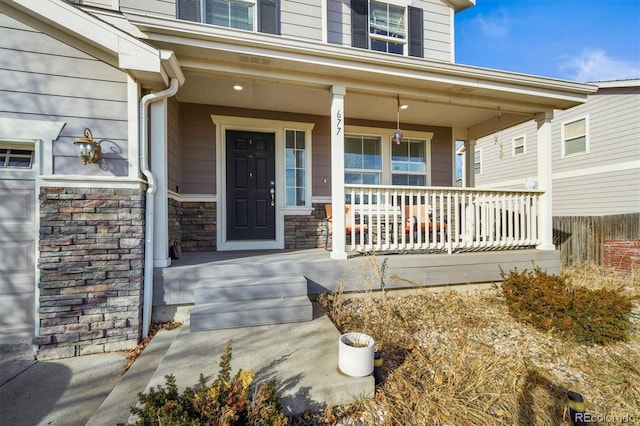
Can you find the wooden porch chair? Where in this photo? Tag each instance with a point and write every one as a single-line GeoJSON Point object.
{"type": "Point", "coordinates": [413, 224]}
{"type": "Point", "coordinates": [350, 227]}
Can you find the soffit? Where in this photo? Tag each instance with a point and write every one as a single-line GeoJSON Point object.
{"type": "Point", "coordinates": [286, 74]}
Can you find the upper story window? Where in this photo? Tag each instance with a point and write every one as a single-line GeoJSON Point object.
{"type": "Point", "coordinates": [263, 15]}
{"type": "Point", "coordinates": [392, 27]}
{"type": "Point", "coordinates": [518, 146]}
{"type": "Point", "coordinates": [575, 137]}
{"type": "Point", "coordinates": [387, 28]}
{"type": "Point", "coordinates": [232, 14]}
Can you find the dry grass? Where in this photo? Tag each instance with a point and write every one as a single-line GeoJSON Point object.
{"type": "Point", "coordinates": [458, 358]}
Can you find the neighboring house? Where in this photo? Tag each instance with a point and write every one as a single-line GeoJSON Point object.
{"type": "Point", "coordinates": [229, 125]}
{"type": "Point", "coordinates": [595, 168]}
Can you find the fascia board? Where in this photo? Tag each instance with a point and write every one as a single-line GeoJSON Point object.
{"type": "Point", "coordinates": [132, 54]}
{"type": "Point", "coordinates": [346, 58]}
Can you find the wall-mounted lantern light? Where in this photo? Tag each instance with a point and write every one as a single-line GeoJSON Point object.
{"type": "Point", "coordinates": [88, 149]}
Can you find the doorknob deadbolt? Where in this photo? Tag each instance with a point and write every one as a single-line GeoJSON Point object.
{"type": "Point", "coordinates": [273, 197]}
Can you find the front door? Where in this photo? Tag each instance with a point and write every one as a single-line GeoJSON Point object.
{"type": "Point", "coordinates": [251, 180]}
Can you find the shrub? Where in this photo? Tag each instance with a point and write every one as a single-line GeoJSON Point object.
{"type": "Point", "coordinates": [547, 303]}
{"type": "Point", "coordinates": [226, 402]}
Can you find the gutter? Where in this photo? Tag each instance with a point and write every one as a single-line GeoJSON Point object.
{"type": "Point", "coordinates": [147, 293]}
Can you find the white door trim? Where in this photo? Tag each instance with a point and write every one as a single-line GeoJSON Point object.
{"type": "Point", "coordinates": [277, 127]}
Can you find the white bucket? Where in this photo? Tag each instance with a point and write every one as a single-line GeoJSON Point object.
{"type": "Point", "coordinates": [356, 361]}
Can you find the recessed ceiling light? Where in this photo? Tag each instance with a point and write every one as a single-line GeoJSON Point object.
{"type": "Point", "coordinates": [404, 106]}
{"type": "Point", "coordinates": [237, 87]}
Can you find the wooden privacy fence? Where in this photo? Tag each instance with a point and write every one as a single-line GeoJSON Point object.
{"type": "Point", "coordinates": [581, 238]}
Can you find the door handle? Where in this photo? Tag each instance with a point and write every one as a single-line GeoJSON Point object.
{"type": "Point", "coordinates": [273, 197]}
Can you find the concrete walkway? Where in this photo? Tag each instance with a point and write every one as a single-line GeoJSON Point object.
{"type": "Point", "coordinates": [301, 357]}
{"type": "Point", "coordinates": [63, 392]}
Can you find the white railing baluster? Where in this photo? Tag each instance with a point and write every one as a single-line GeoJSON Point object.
{"type": "Point", "coordinates": [447, 219]}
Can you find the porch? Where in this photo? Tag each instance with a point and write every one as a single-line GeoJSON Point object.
{"type": "Point", "coordinates": [175, 285]}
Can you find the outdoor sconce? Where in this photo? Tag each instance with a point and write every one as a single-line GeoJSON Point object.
{"type": "Point", "coordinates": [88, 149]}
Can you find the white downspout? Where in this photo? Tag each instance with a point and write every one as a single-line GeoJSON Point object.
{"type": "Point", "coordinates": [147, 295]}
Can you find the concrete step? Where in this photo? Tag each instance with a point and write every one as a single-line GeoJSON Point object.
{"type": "Point", "coordinates": [115, 408]}
{"type": "Point", "coordinates": [246, 313]}
{"type": "Point", "coordinates": [250, 288]}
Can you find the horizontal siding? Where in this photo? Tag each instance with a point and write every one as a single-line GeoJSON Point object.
{"type": "Point", "coordinates": [174, 158]}
{"type": "Point", "coordinates": [600, 194]}
{"type": "Point", "coordinates": [321, 158]}
{"type": "Point", "coordinates": [42, 78]}
{"type": "Point", "coordinates": [301, 19]}
{"type": "Point", "coordinates": [166, 8]}
{"type": "Point", "coordinates": [500, 169]}
{"type": "Point", "coordinates": [603, 181]}
{"type": "Point", "coordinates": [198, 140]}
{"type": "Point", "coordinates": [437, 29]}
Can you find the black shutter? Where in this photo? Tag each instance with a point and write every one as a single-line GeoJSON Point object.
{"type": "Point", "coordinates": [359, 21]}
{"type": "Point", "coordinates": [416, 32]}
{"type": "Point", "coordinates": [269, 16]}
{"type": "Point", "coordinates": [189, 10]}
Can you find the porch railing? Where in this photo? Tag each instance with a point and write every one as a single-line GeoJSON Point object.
{"type": "Point", "coordinates": [439, 218]}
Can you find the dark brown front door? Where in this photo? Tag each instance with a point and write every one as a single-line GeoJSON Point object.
{"type": "Point", "coordinates": [251, 183]}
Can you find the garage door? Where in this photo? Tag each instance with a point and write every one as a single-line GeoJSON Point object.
{"type": "Point", "coordinates": [17, 258]}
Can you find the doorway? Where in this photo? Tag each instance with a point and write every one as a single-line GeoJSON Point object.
{"type": "Point", "coordinates": [250, 186]}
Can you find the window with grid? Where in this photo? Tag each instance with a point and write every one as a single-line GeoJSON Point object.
{"type": "Point", "coordinates": [232, 14]}
{"type": "Point", "coordinates": [16, 158]}
{"type": "Point", "coordinates": [574, 137]}
{"type": "Point", "coordinates": [518, 146]}
{"type": "Point", "coordinates": [295, 168]}
{"type": "Point", "coordinates": [387, 28]}
{"type": "Point", "coordinates": [362, 159]}
{"type": "Point", "coordinates": [409, 162]}
{"type": "Point", "coordinates": [250, 15]}
{"type": "Point", "coordinates": [390, 27]}
{"type": "Point", "coordinates": [477, 161]}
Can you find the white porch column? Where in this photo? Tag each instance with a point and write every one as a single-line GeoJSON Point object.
{"type": "Point", "coordinates": [337, 172]}
{"type": "Point", "coordinates": [545, 172]}
{"type": "Point", "coordinates": [159, 168]}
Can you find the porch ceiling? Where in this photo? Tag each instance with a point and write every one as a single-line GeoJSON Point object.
{"type": "Point", "coordinates": [293, 75]}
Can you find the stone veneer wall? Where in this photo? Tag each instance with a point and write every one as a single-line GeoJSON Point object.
{"type": "Point", "coordinates": [91, 270]}
{"type": "Point", "coordinates": [304, 232]}
{"type": "Point", "coordinates": [193, 225]}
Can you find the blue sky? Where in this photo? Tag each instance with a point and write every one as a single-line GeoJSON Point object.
{"type": "Point", "coordinates": [579, 40]}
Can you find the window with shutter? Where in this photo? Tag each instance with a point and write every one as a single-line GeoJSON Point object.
{"type": "Point", "coordinates": [387, 27]}
{"type": "Point", "coordinates": [240, 14]}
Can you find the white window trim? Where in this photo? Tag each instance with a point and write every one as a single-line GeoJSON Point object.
{"type": "Point", "coordinates": [524, 145]}
{"type": "Point", "coordinates": [586, 137]}
{"type": "Point", "coordinates": [479, 151]}
{"type": "Point", "coordinates": [386, 136]}
{"type": "Point", "coordinates": [277, 127]}
{"type": "Point", "coordinates": [404, 41]}
{"type": "Point", "coordinates": [308, 180]}
{"type": "Point", "coordinates": [249, 2]}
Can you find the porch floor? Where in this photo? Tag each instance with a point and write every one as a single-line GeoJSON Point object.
{"type": "Point", "coordinates": [174, 285]}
